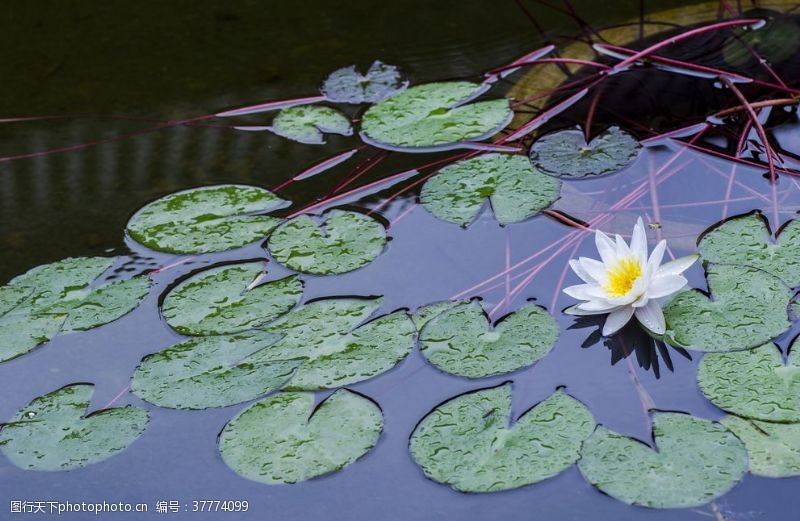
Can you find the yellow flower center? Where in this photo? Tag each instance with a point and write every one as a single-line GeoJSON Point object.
{"type": "Point", "coordinates": [622, 276]}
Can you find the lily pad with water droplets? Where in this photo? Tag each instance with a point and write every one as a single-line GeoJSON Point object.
{"type": "Point", "coordinates": [567, 154]}
{"type": "Point", "coordinates": [285, 439]}
{"type": "Point", "coordinates": [746, 240]}
{"type": "Point", "coordinates": [308, 124]}
{"type": "Point", "coordinates": [754, 383]}
{"type": "Point", "coordinates": [343, 241]}
{"type": "Point", "coordinates": [695, 461]}
{"type": "Point", "coordinates": [229, 299]}
{"type": "Point", "coordinates": [460, 341]}
{"type": "Point", "coordinates": [204, 220]}
{"type": "Point", "coordinates": [471, 444]}
{"type": "Point", "coordinates": [347, 85]}
{"type": "Point", "coordinates": [773, 448]}
{"type": "Point", "coordinates": [54, 432]}
{"type": "Point", "coordinates": [516, 191]}
{"type": "Point", "coordinates": [749, 307]}
{"type": "Point", "coordinates": [425, 314]}
{"type": "Point", "coordinates": [434, 116]}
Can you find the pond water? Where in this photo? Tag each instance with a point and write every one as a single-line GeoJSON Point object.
{"type": "Point", "coordinates": [122, 69]}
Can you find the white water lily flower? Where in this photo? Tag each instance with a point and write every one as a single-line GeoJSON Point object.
{"type": "Point", "coordinates": [626, 282]}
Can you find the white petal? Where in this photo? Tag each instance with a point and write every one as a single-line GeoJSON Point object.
{"type": "Point", "coordinates": [657, 256]}
{"type": "Point", "coordinates": [580, 271]}
{"type": "Point", "coordinates": [576, 310]}
{"type": "Point", "coordinates": [580, 291]}
{"type": "Point", "coordinates": [662, 286]}
{"type": "Point", "coordinates": [639, 241]}
{"type": "Point", "coordinates": [594, 268]}
{"type": "Point", "coordinates": [677, 266]}
{"type": "Point", "coordinates": [606, 248]}
{"type": "Point", "coordinates": [651, 317]}
{"type": "Point", "coordinates": [621, 247]}
{"type": "Point", "coordinates": [616, 320]}
{"type": "Point", "coordinates": [597, 306]}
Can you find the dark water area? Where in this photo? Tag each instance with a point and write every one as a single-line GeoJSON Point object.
{"type": "Point", "coordinates": [165, 61]}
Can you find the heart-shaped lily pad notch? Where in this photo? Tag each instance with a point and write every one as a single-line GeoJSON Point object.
{"type": "Point", "coordinates": [515, 189]}
{"type": "Point", "coordinates": [285, 439]}
{"type": "Point", "coordinates": [308, 124]}
{"type": "Point", "coordinates": [53, 432]}
{"type": "Point", "coordinates": [205, 220]}
{"type": "Point", "coordinates": [749, 307]}
{"type": "Point", "coordinates": [461, 341]}
{"type": "Point", "coordinates": [746, 240]}
{"type": "Point", "coordinates": [347, 85]}
{"type": "Point", "coordinates": [754, 383]}
{"type": "Point", "coordinates": [63, 297]}
{"type": "Point", "coordinates": [696, 461]}
{"type": "Point", "coordinates": [433, 117]}
{"type": "Point", "coordinates": [567, 154]}
{"type": "Point", "coordinates": [470, 443]}
{"type": "Point", "coordinates": [343, 241]}
{"type": "Point", "coordinates": [425, 314]}
{"type": "Point", "coordinates": [229, 299]}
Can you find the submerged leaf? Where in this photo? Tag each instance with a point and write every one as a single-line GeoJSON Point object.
{"type": "Point", "coordinates": [567, 154]}
{"type": "Point", "coordinates": [204, 220]}
{"type": "Point", "coordinates": [460, 341]}
{"type": "Point", "coordinates": [516, 191]}
{"type": "Point", "coordinates": [435, 116]}
{"type": "Point", "coordinates": [53, 432]}
{"type": "Point", "coordinates": [697, 461]}
{"type": "Point", "coordinates": [344, 241]}
{"type": "Point", "coordinates": [347, 85]}
{"type": "Point", "coordinates": [284, 439]}
{"type": "Point", "coordinates": [773, 448]}
{"type": "Point", "coordinates": [470, 444]}
{"type": "Point", "coordinates": [307, 123]}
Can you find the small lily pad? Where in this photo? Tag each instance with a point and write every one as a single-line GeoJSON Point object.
{"type": "Point", "coordinates": [308, 124]}
{"type": "Point", "coordinates": [461, 341]}
{"type": "Point", "coordinates": [567, 154]}
{"type": "Point", "coordinates": [53, 432]}
{"type": "Point", "coordinates": [204, 220]}
{"type": "Point", "coordinates": [344, 241]}
{"type": "Point", "coordinates": [471, 444]}
{"type": "Point", "coordinates": [434, 116]}
{"type": "Point", "coordinates": [229, 299]}
{"type": "Point", "coordinates": [749, 307]}
{"type": "Point", "coordinates": [754, 383]}
{"type": "Point", "coordinates": [773, 448]}
{"type": "Point", "coordinates": [284, 439]}
{"type": "Point", "coordinates": [746, 240]}
{"type": "Point", "coordinates": [516, 191]}
{"type": "Point", "coordinates": [696, 461]}
{"type": "Point", "coordinates": [347, 85]}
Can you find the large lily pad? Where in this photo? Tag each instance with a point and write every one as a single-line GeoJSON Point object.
{"type": "Point", "coordinates": [435, 116]}
{"type": "Point", "coordinates": [204, 220]}
{"type": "Point", "coordinates": [284, 439]}
{"type": "Point", "coordinates": [347, 85]}
{"type": "Point", "coordinates": [516, 191]}
{"type": "Point", "coordinates": [53, 432]}
{"type": "Point", "coordinates": [342, 242]}
{"type": "Point", "coordinates": [754, 383]}
{"type": "Point", "coordinates": [308, 124]}
{"type": "Point", "coordinates": [461, 341]}
{"type": "Point", "coordinates": [773, 448]}
{"type": "Point", "coordinates": [567, 154]}
{"type": "Point", "coordinates": [696, 461]}
{"type": "Point", "coordinates": [746, 240]}
{"type": "Point", "coordinates": [470, 443]}
{"type": "Point", "coordinates": [749, 307]}
{"type": "Point", "coordinates": [229, 299]}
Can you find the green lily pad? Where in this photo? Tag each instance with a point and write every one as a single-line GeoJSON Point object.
{"type": "Point", "coordinates": [229, 299]}
{"type": "Point", "coordinates": [307, 124]}
{"type": "Point", "coordinates": [435, 116]}
{"type": "Point", "coordinates": [754, 383]}
{"type": "Point", "coordinates": [775, 42]}
{"type": "Point", "coordinates": [515, 189]}
{"type": "Point", "coordinates": [696, 461]}
{"type": "Point", "coordinates": [567, 154]}
{"type": "Point", "coordinates": [425, 314]}
{"type": "Point", "coordinates": [470, 443]}
{"type": "Point", "coordinates": [749, 307]}
{"type": "Point", "coordinates": [53, 432]}
{"type": "Point", "coordinates": [773, 448]}
{"type": "Point", "coordinates": [204, 220]}
{"type": "Point", "coordinates": [344, 241]}
{"type": "Point", "coordinates": [746, 240]}
{"type": "Point", "coordinates": [347, 85]}
{"type": "Point", "coordinates": [461, 341]}
{"type": "Point", "coordinates": [284, 439]}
